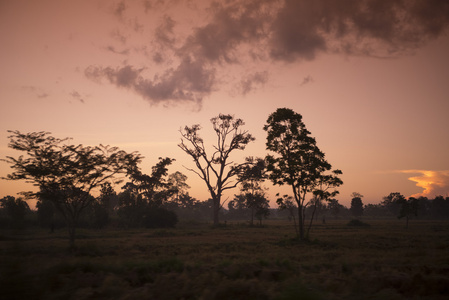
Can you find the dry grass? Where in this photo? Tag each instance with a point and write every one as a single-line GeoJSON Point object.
{"type": "Point", "coordinates": [195, 261]}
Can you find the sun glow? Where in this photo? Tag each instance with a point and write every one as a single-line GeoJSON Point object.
{"type": "Point", "coordinates": [433, 183]}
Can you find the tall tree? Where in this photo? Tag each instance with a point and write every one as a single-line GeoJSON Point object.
{"type": "Point", "coordinates": [66, 174]}
{"type": "Point", "coordinates": [299, 162]}
{"type": "Point", "coordinates": [356, 204]}
{"type": "Point", "coordinates": [216, 170]}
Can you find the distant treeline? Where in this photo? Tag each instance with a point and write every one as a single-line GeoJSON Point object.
{"type": "Point", "coordinates": [125, 210]}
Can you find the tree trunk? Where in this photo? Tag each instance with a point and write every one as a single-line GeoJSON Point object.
{"type": "Point", "coordinates": [300, 222]}
{"type": "Point", "coordinates": [216, 210]}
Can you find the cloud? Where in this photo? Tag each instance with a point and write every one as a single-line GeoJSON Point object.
{"type": "Point", "coordinates": [38, 92]}
{"type": "Point", "coordinates": [303, 29]}
{"type": "Point", "coordinates": [119, 9]}
{"type": "Point", "coordinates": [77, 96]}
{"type": "Point", "coordinates": [252, 82]}
{"type": "Point", "coordinates": [232, 34]}
{"type": "Point", "coordinates": [113, 50]}
{"type": "Point", "coordinates": [306, 80]}
{"type": "Point", "coordinates": [191, 81]}
{"type": "Point", "coordinates": [433, 183]}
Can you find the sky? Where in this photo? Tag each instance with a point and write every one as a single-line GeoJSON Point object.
{"type": "Point", "coordinates": [369, 77]}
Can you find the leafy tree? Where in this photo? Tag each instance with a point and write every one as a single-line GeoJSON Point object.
{"type": "Point", "coordinates": [216, 170]}
{"type": "Point", "coordinates": [146, 197]}
{"type": "Point", "coordinates": [440, 208]}
{"type": "Point", "coordinates": [131, 208]}
{"type": "Point", "coordinates": [251, 178]}
{"type": "Point", "coordinates": [64, 173]}
{"type": "Point", "coordinates": [15, 209]}
{"type": "Point", "coordinates": [46, 213]}
{"type": "Point", "coordinates": [335, 208]}
{"type": "Point", "coordinates": [408, 208]}
{"type": "Point", "coordinates": [154, 189]}
{"type": "Point", "coordinates": [299, 162]}
{"type": "Point", "coordinates": [324, 190]}
{"type": "Point", "coordinates": [356, 204]}
{"type": "Point", "coordinates": [392, 203]}
{"type": "Point", "coordinates": [177, 183]}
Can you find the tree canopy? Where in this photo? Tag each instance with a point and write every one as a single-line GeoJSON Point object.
{"type": "Point", "coordinates": [215, 169]}
{"type": "Point", "coordinates": [66, 174]}
{"type": "Point", "coordinates": [298, 161]}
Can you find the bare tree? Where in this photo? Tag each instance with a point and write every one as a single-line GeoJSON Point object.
{"type": "Point", "coordinates": [216, 170]}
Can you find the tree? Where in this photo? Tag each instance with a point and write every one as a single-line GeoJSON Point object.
{"type": "Point", "coordinates": [356, 204]}
{"type": "Point", "coordinates": [216, 170]}
{"type": "Point", "coordinates": [299, 162]}
{"type": "Point", "coordinates": [64, 173]}
{"type": "Point", "coordinates": [408, 208]}
{"type": "Point", "coordinates": [177, 183]}
{"type": "Point", "coordinates": [251, 178]}
{"type": "Point", "coordinates": [15, 209]}
{"type": "Point", "coordinates": [154, 188]}
{"type": "Point", "coordinates": [324, 190]}
{"type": "Point", "coordinates": [286, 203]}
{"type": "Point", "coordinates": [144, 202]}
{"type": "Point", "coordinates": [392, 203]}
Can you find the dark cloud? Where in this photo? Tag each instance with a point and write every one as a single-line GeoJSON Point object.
{"type": "Point", "coordinates": [231, 27]}
{"type": "Point", "coordinates": [191, 81]}
{"type": "Point", "coordinates": [236, 33]}
{"type": "Point", "coordinates": [303, 29]}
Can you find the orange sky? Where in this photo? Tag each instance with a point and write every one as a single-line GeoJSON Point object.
{"type": "Point", "coordinates": [371, 79]}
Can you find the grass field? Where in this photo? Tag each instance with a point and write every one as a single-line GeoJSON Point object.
{"type": "Point", "coordinates": [196, 261]}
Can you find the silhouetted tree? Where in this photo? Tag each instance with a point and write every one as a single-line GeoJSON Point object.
{"type": "Point", "coordinates": [177, 183]}
{"type": "Point", "coordinates": [251, 178]}
{"type": "Point", "coordinates": [325, 189]}
{"type": "Point", "coordinates": [356, 204]}
{"type": "Point", "coordinates": [286, 203]}
{"type": "Point", "coordinates": [154, 188]}
{"type": "Point", "coordinates": [46, 213]}
{"type": "Point", "coordinates": [440, 208]}
{"type": "Point", "coordinates": [131, 208]}
{"type": "Point", "coordinates": [66, 174]}
{"type": "Point", "coordinates": [103, 205]}
{"type": "Point", "coordinates": [392, 203]}
{"type": "Point", "coordinates": [215, 170]}
{"type": "Point", "coordinates": [299, 162]}
{"type": "Point", "coordinates": [408, 208]}
{"type": "Point", "coordinates": [335, 208]}
{"type": "Point", "coordinates": [15, 210]}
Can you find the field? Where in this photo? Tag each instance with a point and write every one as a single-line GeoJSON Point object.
{"type": "Point", "coordinates": [196, 261]}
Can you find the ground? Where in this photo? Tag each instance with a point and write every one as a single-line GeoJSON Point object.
{"type": "Point", "coordinates": [196, 261]}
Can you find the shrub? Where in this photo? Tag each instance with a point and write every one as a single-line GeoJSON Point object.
{"type": "Point", "coordinates": [356, 222]}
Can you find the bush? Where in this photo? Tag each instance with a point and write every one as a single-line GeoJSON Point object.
{"type": "Point", "coordinates": [358, 223]}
